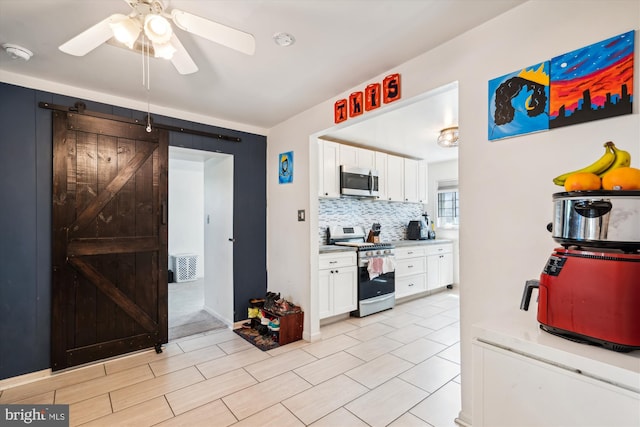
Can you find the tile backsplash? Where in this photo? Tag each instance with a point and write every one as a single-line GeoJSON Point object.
{"type": "Point", "coordinates": [392, 216]}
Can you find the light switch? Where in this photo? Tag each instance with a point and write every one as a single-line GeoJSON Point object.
{"type": "Point", "coordinates": [301, 215]}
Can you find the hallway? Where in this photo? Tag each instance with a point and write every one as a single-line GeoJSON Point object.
{"type": "Point", "coordinates": [186, 313]}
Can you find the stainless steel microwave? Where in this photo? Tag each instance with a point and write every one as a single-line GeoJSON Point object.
{"type": "Point", "coordinates": [358, 181]}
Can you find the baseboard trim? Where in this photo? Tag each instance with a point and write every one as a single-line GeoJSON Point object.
{"type": "Point", "coordinates": [24, 379]}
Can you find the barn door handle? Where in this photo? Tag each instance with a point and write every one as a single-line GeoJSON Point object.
{"type": "Point", "coordinates": [164, 213]}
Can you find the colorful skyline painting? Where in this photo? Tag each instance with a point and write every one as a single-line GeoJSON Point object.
{"type": "Point", "coordinates": [519, 102]}
{"type": "Point", "coordinates": [593, 82]}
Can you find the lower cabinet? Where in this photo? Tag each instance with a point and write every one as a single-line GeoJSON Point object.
{"type": "Point", "coordinates": [439, 266]}
{"type": "Point", "coordinates": [423, 267]}
{"type": "Point", "coordinates": [411, 270]}
{"type": "Point", "coordinates": [511, 388]}
{"type": "Point", "coordinates": [337, 284]}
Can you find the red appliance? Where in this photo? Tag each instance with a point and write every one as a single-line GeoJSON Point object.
{"type": "Point", "coordinates": [590, 296]}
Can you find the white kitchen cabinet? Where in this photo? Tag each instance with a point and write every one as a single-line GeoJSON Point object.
{"type": "Point", "coordinates": [395, 178]}
{"type": "Point", "coordinates": [439, 265]}
{"type": "Point", "coordinates": [329, 167]}
{"type": "Point", "coordinates": [517, 388]}
{"type": "Point", "coordinates": [338, 283]}
{"type": "Point", "coordinates": [423, 183]}
{"type": "Point", "coordinates": [411, 270]}
{"type": "Point", "coordinates": [366, 158]}
{"type": "Point", "coordinates": [357, 157]}
{"type": "Point", "coordinates": [381, 167]}
{"type": "Point", "coordinates": [348, 155]}
{"type": "Point", "coordinates": [411, 180]}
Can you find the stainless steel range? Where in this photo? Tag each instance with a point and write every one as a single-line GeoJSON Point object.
{"type": "Point", "coordinates": [376, 269]}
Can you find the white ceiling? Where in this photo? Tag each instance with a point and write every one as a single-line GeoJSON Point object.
{"type": "Point", "coordinates": [339, 45]}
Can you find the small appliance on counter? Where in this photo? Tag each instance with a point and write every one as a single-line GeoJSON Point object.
{"type": "Point", "coordinates": [588, 290]}
{"type": "Point", "coordinates": [420, 229]}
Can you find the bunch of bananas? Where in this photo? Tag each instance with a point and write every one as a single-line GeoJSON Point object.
{"type": "Point", "coordinates": [613, 158]}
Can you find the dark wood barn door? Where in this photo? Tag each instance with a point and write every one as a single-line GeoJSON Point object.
{"type": "Point", "coordinates": [109, 238]}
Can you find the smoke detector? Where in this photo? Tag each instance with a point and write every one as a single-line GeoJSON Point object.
{"type": "Point", "coordinates": [284, 39]}
{"type": "Point", "coordinates": [17, 52]}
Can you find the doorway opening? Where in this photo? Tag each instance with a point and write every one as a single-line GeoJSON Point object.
{"type": "Point", "coordinates": [200, 211]}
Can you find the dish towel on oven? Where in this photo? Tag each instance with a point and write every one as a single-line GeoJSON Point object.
{"type": "Point", "coordinates": [388, 264]}
{"type": "Point", "coordinates": [375, 267]}
{"type": "Point", "coordinates": [381, 265]}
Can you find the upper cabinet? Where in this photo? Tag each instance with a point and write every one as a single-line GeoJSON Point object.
{"type": "Point", "coordinates": [329, 167]}
{"type": "Point", "coordinates": [400, 179]}
{"type": "Point", "coordinates": [381, 167]}
{"type": "Point", "coordinates": [410, 180]}
{"type": "Point", "coordinates": [357, 157]}
{"type": "Point", "coordinates": [423, 183]}
{"type": "Point", "coordinates": [415, 181]}
{"type": "Point", "coordinates": [395, 178]}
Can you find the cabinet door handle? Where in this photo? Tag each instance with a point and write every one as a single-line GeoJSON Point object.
{"type": "Point", "coordinates": [333, 262]}
{"type": "Point", "coordinates": [410, 284]}
{"type": "Point", "coordinates": [409, 253]}
{"type": "Point", "coordinates": [410, 266]}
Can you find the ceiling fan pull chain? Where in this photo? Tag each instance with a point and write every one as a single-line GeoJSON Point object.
{"type": "Point", "coordinates": [142, 57]}
{"type": "Point", "coordinates": [146, 80]}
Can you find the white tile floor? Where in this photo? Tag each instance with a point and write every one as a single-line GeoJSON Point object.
{"type": "Point", "coordinates": [396, 368]}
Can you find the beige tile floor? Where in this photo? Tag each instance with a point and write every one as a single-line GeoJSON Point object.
{"type": "Point", "coordinates": [398, 368]}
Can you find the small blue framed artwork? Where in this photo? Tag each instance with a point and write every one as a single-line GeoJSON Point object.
{"type": "Point", "coordinates": [285, 168]}
{"type": "Point", "coordinates": [519, 102]}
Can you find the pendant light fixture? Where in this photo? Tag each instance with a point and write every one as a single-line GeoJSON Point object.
{"type": "Point", "coordinates": [448, 137]}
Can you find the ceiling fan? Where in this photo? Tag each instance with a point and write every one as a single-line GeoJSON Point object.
{"type": "Point", "coordinates": [151, 19]}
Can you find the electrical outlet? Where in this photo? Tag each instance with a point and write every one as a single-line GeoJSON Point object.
{"type": "Point", "coordinates": [301, 215]}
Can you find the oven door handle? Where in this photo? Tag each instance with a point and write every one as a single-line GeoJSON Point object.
{"type": "Point", "coordinates": [376, 300]}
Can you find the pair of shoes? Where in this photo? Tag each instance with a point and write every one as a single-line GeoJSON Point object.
{"type": "Point", "coordinates": [270, 300]}
{"type": "Point", "coordinates": [274, 325]}
{"type": "Point", "coordinates": [256, 302]}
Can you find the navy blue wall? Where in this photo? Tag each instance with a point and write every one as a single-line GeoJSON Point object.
{"type": "Point", "coordinates": [25, 218]}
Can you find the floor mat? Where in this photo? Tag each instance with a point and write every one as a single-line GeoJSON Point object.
{"type": "Point", "coordinates": [193, 323]}
{"type": "Point", "coordinates": [264, 343]}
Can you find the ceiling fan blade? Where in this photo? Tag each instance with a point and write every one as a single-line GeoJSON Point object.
{"type": "Point", "coordinates": [226, 36]}
{"type": "Point", "coordinates": [181, 58]}
{"type": "Point", "coordinates": [89, 39]}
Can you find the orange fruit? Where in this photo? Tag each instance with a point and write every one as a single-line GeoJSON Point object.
{"type": "Point", "coordinates": [582, 181]}
{"type": "Point", "coordinates": [626, 178]}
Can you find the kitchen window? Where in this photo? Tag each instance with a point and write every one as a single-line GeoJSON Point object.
{"type": "Point", "coordinates": [448, 204]}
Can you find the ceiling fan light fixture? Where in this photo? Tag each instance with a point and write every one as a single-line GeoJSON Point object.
{"type": "Point", "coordinates": [125, 29]}
{"type": "Point", "coordinates": [163, 50]}
{"type": "Point", "coordinates": [157, 28]}
{"type": "Point", "coordinates": [448, 137]}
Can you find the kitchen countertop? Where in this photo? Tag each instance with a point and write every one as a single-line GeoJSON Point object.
{"type": "Point", "coordinates": [325, 249]}
{"type": "Point", "coordinates": [401, 243]}
{"type": "Point", "coordinates": [328, 249]}
{"type": "Point", "coordinates": [522, 334]}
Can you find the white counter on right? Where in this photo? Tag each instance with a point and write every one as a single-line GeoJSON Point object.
{"type": "Point", "coordinates": [523, 376]}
